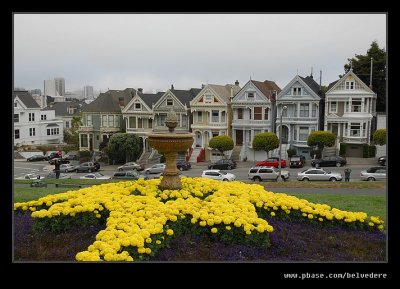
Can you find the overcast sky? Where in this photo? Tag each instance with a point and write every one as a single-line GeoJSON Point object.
{"type": "Point", "coordinates": [153, 51]}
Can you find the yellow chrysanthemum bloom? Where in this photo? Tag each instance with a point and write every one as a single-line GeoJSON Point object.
{"type": "Point", "coordinates": [214, 230]}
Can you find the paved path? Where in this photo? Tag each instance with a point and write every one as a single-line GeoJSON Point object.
{"type": "Point", "coordinates": [343, 191]}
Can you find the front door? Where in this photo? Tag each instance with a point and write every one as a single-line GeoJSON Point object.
{"type": "Point", "coordinates": [239, 137]}
{"type": "Point", "coordinates": [198, 139]}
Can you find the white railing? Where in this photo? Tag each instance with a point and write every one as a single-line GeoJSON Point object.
{"type": "Point", "coordinates": [250, 121]}
{"type": "Point", "coordinates": [355, 139]}
{"type": "Point", "coordinates": [290, 118]}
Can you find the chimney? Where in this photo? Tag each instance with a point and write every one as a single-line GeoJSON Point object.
{"type": "Point", "coordinates": [121, 101]}
{"type": "Point", "coordinates": [237, 83]}
{"type": "Point", "coordinates": [140, 90]}
{"type": "Point", "coordinates": [311, 72]}
{"type": "Point", "coordinates": [202, 86]}
{"type": "Point", "coordinates": [172, 87]}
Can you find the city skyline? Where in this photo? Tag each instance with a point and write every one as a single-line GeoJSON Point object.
{"type": "Point", "coordinates": [153, 51]}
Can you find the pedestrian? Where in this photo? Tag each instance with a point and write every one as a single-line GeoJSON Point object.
{"type": "Point", "coordinates": [347, 172]}
{"type": "Point", "coordinates": [57, 168]}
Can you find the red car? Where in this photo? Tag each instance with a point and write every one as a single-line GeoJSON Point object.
{"type": "Point", "coordinates": [272, 162]}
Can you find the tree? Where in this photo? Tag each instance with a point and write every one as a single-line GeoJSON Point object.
{"type": "Point", "coordinates": [71, 135]}
{"type": "Point", "coordinates": [321, 139]}
{"type": "Point", "coordinates": [266, 141]}
{"type": "Point", "coordinates": [124, 147]}
{"type": "Point", "coordinates": [380, 137]}
{"type": "Point", "coordinates": [221, 143]}
{"type": "Point", "coordinates": [362, 68]}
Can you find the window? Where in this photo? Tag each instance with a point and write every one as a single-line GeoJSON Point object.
{"type": "Point", "coordinates": [314, 110]}
{"type": "Point", "coordinates": [16, 134]}
{"type": "Point", "coordinates": [67, 124]}
{"type": "Point", "coordinates": [240, 113]}
{"type": "Point", "coordinates": [138, 106]}
{"type": "Point", "coordinates": [258, 113]}
{"type": "Point", "coordinates": [215, 116]}
{"type": "Point", "coordinates": [215, 133]}
{"type": "Point", "coordinates": [15, 104]}
{"type": "Point", "coordinates": [208, 99]}
{"type": "Point", "coordinates": [304, 110]}
{"type": "Point", "coordinates": [333, 107]}
{"type": "Point", "coordinates": [349, 84]}
{"type": "Point", "coordinates": [184, 120]}
{"type": "Point", "coordinates": [266, 111]}
{"type": "Point", "coordinates": [303, 133]}
{"type": "Point", "coordinates": [132, 122]}
{"type": "Point", "coordinates": [170, 102]}
{"type": "Point", "coordinates": [31, 116]}
{"type": "Point", "coordinates": [356, 105]}
{"type": "Point", "coordinates": [116, 120]}
{"type": "Point", "coordinates": [223, 116]}
{"type": "Point", "coordinates": [296, 90]}
{"type": "Point", "coordinates": [150, 123]}
{"type": "Point", "coordinates": [110, 120]}
{"type": "Point", "coordinates": [84, 140]}
{"type": "Point", "coordinates": [16, 117]}
{"type": "Point", "coordinates": [161, 119]}
{"type": "Point", "coordinates": [354, 129]}
{"type": "Point", "coordinates": [32, 131]}
{"type": "Point", "coordinates": [250, 95]}
{"type": "Point", "coordinates": [284, 113]}
{"type": "Point", "coordinates": [43, 117]}
{"type": "Point", "coordinates": [48, 131]}
{"type": "Point", "coordinates": [89, 120]}
{"type": "Point", "coordinates": [103, 120]}
{"type": "Point", "coordinates": [295, 134]}
{"type": "Point", "coordinates": [139, 123]}
{"type": "Point", "coordinates": [199, 116]}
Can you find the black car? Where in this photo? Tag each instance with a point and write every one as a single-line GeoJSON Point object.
{"type": "Point", "coordinates": [37, 158]}
{"type": "Point", "coordinates": [87, 167]}
{"type": "Point", "coordinates": [297, 161]}
{"type": "Point", "coordinates": [183, 165]}
{"type": "Point", "coordinates": [52, 156]}
{"type": "Point", "coordinates": [329, 162]}
{"type": "Point", "coordinates": [382, 161]}
{"type": "Point", "coordinates": [223, 165]}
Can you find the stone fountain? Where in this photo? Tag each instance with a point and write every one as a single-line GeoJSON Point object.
{"type": "Point", "coordinates": [169, 144]}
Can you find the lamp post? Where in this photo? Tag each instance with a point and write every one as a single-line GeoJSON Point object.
{"type": "Point", "coordinates": [280, 143]}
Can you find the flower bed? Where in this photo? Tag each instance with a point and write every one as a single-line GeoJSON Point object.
{"type": "Point", "coordinates": [141, 219]}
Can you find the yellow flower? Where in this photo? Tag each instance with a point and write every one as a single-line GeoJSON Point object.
{"type": "Point", "coordinates": [158, 242]}
{"type": "Point", "coordinates": [214, 230]}
{"type": "Point", "coordinates": [170, 232]}
{"type": "Point", "coordinates": [310, 216]}
{"type": "Point", "coordinates": [272, 214]}
{"type": "Point", "coordinates": [371, 224]}
{"type": "Point", "coordinates": [320, 219]}
{"type": "Point", "coordinates": [228, 228]}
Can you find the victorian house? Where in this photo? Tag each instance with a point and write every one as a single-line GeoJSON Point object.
{"type": "Point", "coordinates": [212, 116]}
{"type": "Point", "coordinates": [103, 117]}
{"type": "Point", "coordinates": [301, 100]}
{"type": "Point", "coordinates": [349, 108]}
{"type": "Point", "coordinates": [252, 114]}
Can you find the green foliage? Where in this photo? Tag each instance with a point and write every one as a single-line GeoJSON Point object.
{"type": "Point", "coordinates": [321, 139]}
{"type": "Point", "coordinates": [291, 152]}
{"type": "Point", "coordinates": [221, 143]}
{"type": "Point", "coordinates": [380, 137]}
{"type": "Point", "coordinates": [124, 147]}
{"type": "Point", "coordinates": [46, 148]}
{"type": "Point", "coordinates": [266, 141]}
{"type": "Point", "coordinates": [342, 151]}
{"type": "Point", "coordinates": [362, 66]}
{"type": "Point", "coordinates": [71, 135]}
{"type": "Point", "coordinates": [369, 151]}
{"type": "Point", "coordinates": [71, 147]}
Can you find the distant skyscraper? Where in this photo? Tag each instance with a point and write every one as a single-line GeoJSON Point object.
{"type": "Point", "coordinates": [50, 87]}
{"type": "Point", "coordinates": [60, 85]}
{"type": "Point", "coordinates": [36, 91]}
{"type": "Point", "coordinates": [88, 92]}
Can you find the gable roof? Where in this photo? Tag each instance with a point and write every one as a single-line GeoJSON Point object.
{"type": "Point", "coordinates": [150, 98]}
{"type": "Point", "coordinates": [332, 84]}
{"type": "Point", "coordinates": [61, 108]}
{"type": "Point", "coordinates": [26, 98]}
{"type": "Point", "coordinates": [267, 87]}
{"type": "Point", "coordinates": [109, 101]}
{"type": "Point", "coordinates": [335, 84]}
{"type": "Point", "coordinates": [185, 96]}
{"type": "Point", "coordinates": [311, 83]}
{"type": "Point", "coordinates": [225, 90]}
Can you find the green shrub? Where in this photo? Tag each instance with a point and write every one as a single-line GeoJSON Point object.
{"type": "Point", "coordinates": [342, 151]}
{"type": "Point", "coordinates": [291, 152]}
{"type": "Point", "coordinates": [369, 151]}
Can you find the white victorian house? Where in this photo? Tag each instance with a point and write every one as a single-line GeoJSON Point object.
{"type": "Point", "coordinates": [252, 114]}
{"type": "Point", "coordinates": [212, 116]}
{"type": "Point", "coordinates": [32, 125]}
{"type": "Point", "coordinates": [302, 100]}
{"type": "Point", "coordinates": [349, 108]}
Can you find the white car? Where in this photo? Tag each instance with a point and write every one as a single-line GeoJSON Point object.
{"type": "Point", "coordinates": [67, 168]}
{"type": "Point", "coordinates": [218, 175]}
{"type": "Point", "coordinates": [96, 176]}
{"type": "Point", "coordinates": [155, 169]}
{"type": "Point", "coordinates": [266, 173]}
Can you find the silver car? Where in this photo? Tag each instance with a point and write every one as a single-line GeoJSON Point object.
{"type": "Point", "coordinates": [374, 174]}
{"type": "Point", "coordinates": [131, 166]}
{"type": "Point", "coordinates": [318, 175]}
{"type": "Point", "coordinates": [155, 169]}
{"type": "Point", "coordinates": [218, 175]}
{"type": "Point", "coordinates": [266, 173]}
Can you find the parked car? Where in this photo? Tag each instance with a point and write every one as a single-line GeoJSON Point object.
{"type": "Point", "coordinates": [33, 177]}
{"type": "Point", "coordinates": [61, 160]}
{"type": "Point", "coordinates": [52, 175]}
{"type": "Point", "coordinates": [318, 175]}
{"type": "Point", "coordinates": [38, 183]}
{"type": "Point", "coordinates": [266, 173]}
{"type": "Point", "coordinates": [131, 166]}
{"type": "Point", "coordinates": [183, 165]}
{"type": "Point", "coordinates": [66, 168]}
{"type": "Point", "coordinates": [218, 175]}
{"type": "Point", "coordinates": [328, 162]}
{"type": "Point", "coordinates": [374, 174]}
{"type": "Point", "coordinates": [96, 176]}
{"type": "Point", "coordinates": [130, 175]}
{"type": "Point", "coordinates": [382, 161]}
{"type": "Point", "coordinates": [86, 167]}
{"type": "Point", "coordinates": [71, 157]}
{"type": "Point", "coordinates": [272, 162]}
{"type": "Point", "coordinates": [297, 161]}
{"type": "Point", "coordinates": [155, 169]}
{"type": "Point", "coordinates": [223, 165]}
{"type": "Point", "coordinates": [53, 155]}
{"type": "Point", "coordinates": [36, 158]}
